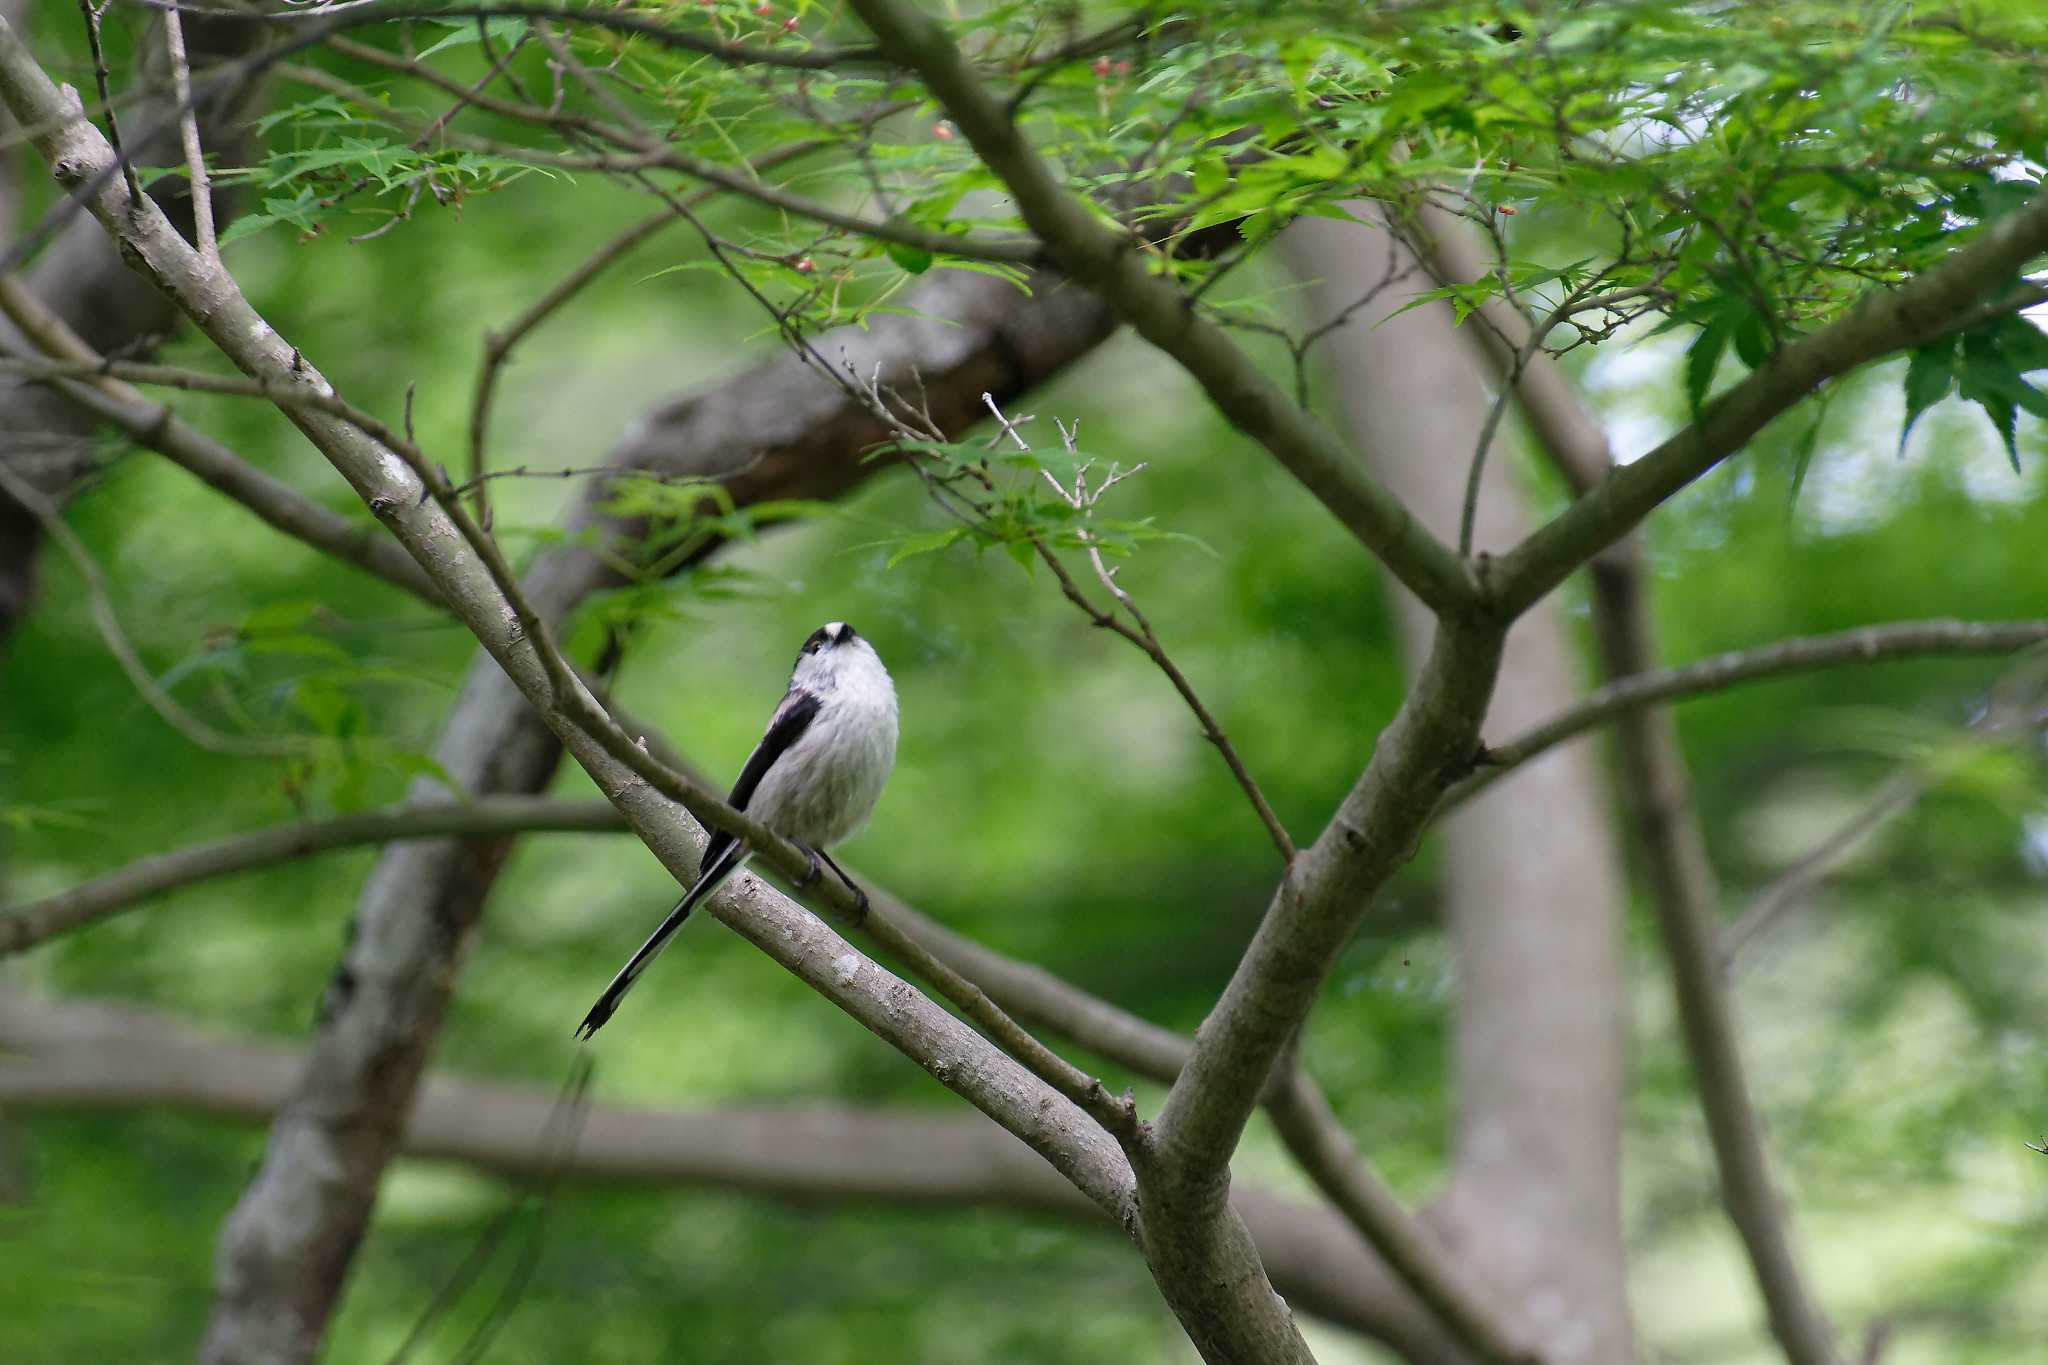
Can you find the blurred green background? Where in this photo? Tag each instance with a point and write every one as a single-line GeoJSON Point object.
{"type": "Point", "coordinates": [1053, 800]}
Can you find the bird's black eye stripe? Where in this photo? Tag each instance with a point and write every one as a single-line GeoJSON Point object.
{"type": "Point", "coordinates": [815, 643]}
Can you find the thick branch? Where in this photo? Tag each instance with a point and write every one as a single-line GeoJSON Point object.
{"type": "Point", "coordinates": [488, 817]}
{"type": "Point", "coordinates": [1682, 881]}
{"type": "Point", "coordinates": [1884, 322]}
{"type": "Point", "coordinates": [954, 1054]}
{"type": "Point", "coordinates": [1533, 888]}
{"type": "Point", "coordinates": [1321, 899]}
{"type": "Point", "coordinates": [1431, 740]}
{"type": "Point", "coordinates": [773, 430]}
{"type": "Point", "coordinates": [1110, 263]}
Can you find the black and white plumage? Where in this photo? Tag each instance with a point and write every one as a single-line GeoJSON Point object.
{"type": "Point", "coordinates": [814, 778]}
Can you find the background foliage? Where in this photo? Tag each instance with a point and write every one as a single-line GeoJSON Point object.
{"type": "Point", "coordinates": [1052, 798]}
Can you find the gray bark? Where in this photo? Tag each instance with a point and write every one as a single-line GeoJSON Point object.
{"type": "Point", "coordinates": [787, 432]}
{"type": "Point", "coordinates": [1534, 886]}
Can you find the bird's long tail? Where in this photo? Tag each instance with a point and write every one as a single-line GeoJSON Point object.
{"type": "Point", "coordinates": [728, 862]}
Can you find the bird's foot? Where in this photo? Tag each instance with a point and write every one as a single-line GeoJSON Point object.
{"type": "Point", "coordinates": [811, 872]}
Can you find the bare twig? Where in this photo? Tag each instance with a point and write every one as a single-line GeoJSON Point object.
{"type": "Point", "coordinates": [498, 344]}
{"type": "Point", "coordinates": [2012, 713]}
{"type": "Point", "coordinates": [91, 14]}
{"type": "Point", "coordinates": [1468, 514]}
{"type": "Point", "coordinates": [1138, 630]}
{"type": "Point", "coordinates": [188, 135]}
{"type": "Point", "coordinates": [1862, 645]}
{"type": "Point", "coordinates": [153, 425]}
{"type": "Point", "coordinates": [1893, 797]}
{"type": "Point", "coordinates": [118, 644]}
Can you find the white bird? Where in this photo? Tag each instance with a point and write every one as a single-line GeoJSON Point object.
{"type": "Point", "coordinates": [814, 779]}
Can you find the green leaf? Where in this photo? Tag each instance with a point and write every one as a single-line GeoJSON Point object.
{"type": "Point", "coordinates": [1802, 457]}
{"type": "Point", "coordinates": [915, 260]}
{"type": "Point", "coordinates": [466, 32]}
{"type": "Point", "coordinates": [2022, 343]}
{"type": "Point", "coordinates": [1704, 358]}
{"type": "Point", "coordinates": [925, 543]}
{"type": "Point", "coordinates": [1988, 378]}
{"type": "Point", "coordinates": [1753, 343]}
{"type": "Point", "coordinates": [1930, 377]}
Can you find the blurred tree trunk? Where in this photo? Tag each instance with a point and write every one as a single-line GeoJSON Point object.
{"type": "Point", "coordinates": [1533, 876]}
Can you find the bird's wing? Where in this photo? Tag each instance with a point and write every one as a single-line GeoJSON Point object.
{"type": "Point", "coordinates": [785, 728]}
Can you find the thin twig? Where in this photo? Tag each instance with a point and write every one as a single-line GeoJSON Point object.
{"type": "Point", "coordinates": [188, 134]}
{"type": "Point", "coordinates": [1865, 644]}
{"type": "Point", "coordinates": [498, 344]}
{"type": "Point", "coordinates": [1468, 514]}
{"type": "Point", "coordinates": [155, 427]}
{"type": "Point", "coordinates": [1083, 500]}
{"type": "Point", "coordinates": [118, 644]}
{"type": "Point", "coordinates": [92, 14]}
{"type": "Point", "coordinates": [1894, 797]}
{"type": "Point", "coordinates": [2011, 714]}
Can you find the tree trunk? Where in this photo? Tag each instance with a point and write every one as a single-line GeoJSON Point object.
{"type": "Point", "coordinates": [1534, 886]}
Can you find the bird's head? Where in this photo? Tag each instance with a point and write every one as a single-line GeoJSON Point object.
{"type": "Point", "coordinates": [835, 651]}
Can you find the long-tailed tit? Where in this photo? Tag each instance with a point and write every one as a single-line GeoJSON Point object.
{"type": "Point", "coordinates": [813, 779]}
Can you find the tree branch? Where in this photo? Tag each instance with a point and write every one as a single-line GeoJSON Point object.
{"type": "Point", "coordinates": [25, 926]}
{"type": "Point", "coordinates": [65, 1053]}
{"type": "Point", "coordinates": [155, 427]}
{"type": "Point", "coordinates": [955, 1055]}
{"type": "Point", "coordinates": [1109, 262]}
{"type": "Point", "coordinates": [1885, 321]}
{"type": "Point", "coordinates": [1685, 896]}
{"type": "Point", "coordinates": [1861, 645]}
{"type": "Point", "coordinates": [1682, 881]}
